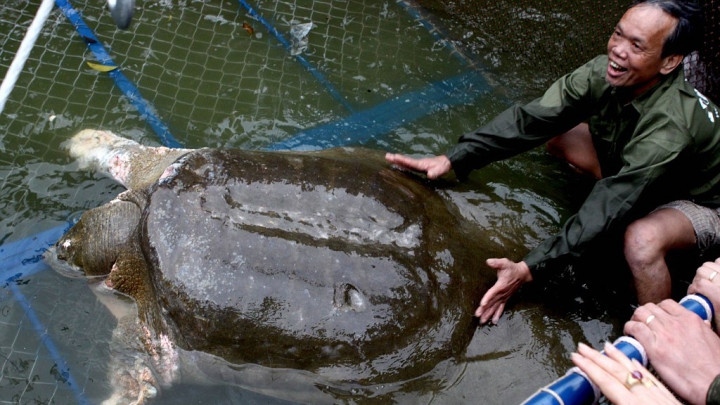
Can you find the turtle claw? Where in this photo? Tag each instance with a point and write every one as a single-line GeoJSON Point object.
{"type": "Point", "coordinates": [133, 389]}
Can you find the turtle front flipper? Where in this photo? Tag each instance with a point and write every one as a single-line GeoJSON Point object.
{"type": "Point", "coordinates": [143, 355]}
{"type": "Point", "coordinates": [132, 376]}
{"type": "Point", "coordinates": [133, 165]}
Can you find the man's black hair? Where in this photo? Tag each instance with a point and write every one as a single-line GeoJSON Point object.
{"type": "Point", "coordinates": [688, 32]}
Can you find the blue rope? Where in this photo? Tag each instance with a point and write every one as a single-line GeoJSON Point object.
{"type": "Point", "coordinates": [129, 90]}
{"type": "Point", "coordinates": [384, 117]}
{"type": "Point", "coordinates": [27, 251]}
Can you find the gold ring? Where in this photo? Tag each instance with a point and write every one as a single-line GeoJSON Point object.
{"type": "Point", "coordinates": [712, 276]}
{"type": "Point", "coordinates": [648, 382]}
{"type": "Point", "coordinates": [649, 319]}
{"type": "Point", "coordinates": [633, 378]}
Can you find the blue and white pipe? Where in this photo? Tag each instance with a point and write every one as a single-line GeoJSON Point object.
{"type": "Point", "coordinates": [575, 388]}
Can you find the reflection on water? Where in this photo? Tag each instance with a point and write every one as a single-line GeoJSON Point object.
{"type": "Point", "coordinates": [218, 85]}
{"type": "Point", "coordinates": [527, 43]}
{"type": "Point", "coordinates": [45, 318]}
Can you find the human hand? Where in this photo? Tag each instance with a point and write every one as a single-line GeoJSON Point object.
{"type": "Point", "coordinates": [707, 283]}
{"type": "Point", "coordinates": [682, 348]}
{"type": "Point", "coordinates": [621, 380]}
{"type": "Point", "coordinates": [433, 167]}
{"type": "Point", "coordinates": [511, 276]}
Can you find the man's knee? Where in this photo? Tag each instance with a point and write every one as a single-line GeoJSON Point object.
{"type": "Point", "coordinates": [642, 244]}
{"type": "Point", "coordinates": [645, 251]}
{"type": "Point", "coordinates": [648, 239]}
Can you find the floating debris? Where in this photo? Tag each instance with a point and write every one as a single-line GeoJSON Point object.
{"type": "Point", "coordinates": [102, 68]}
{"type": "Point", "coordinates": [298, 34]}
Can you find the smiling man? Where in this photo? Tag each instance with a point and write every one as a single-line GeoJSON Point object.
{"type": "Point", "coordinates": [630, 120]}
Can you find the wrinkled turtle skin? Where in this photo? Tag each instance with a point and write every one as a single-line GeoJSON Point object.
{"type": "Point", "coordinates": [324, 261]}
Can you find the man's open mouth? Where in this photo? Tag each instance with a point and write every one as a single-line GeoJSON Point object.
{"type": "Point", "coordinates": [614, 66]}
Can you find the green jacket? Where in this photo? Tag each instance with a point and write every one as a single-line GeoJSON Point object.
{"type": "Point", "coordinates": [663, 146]}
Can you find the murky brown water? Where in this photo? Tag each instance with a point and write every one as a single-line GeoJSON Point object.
{"type": "Point", "coordinates": [216, 84]}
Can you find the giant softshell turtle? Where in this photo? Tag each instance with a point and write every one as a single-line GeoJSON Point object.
{"type": "Point", "coordinates": [330, 262]}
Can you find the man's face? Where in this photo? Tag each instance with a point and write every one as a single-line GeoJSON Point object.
{"type": "Point", "coordinates": [635, 47]}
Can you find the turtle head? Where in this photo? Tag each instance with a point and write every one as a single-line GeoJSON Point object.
{"type": "Point", "coordinates": [102, 235]}
{"type": "Point", "coordinates": [66, 257]}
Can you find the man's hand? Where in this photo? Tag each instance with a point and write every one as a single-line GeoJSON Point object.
{"type": "Point", "coordinates": [433, 167]}
{"type": "Point", "coordinates": [707, 283]}
{"type": "Point", "coordinates": [511, 276]}
{"type": "Point", "coordinates": [682, 348]}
